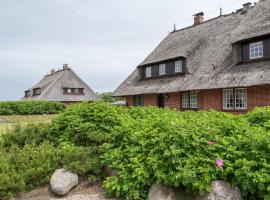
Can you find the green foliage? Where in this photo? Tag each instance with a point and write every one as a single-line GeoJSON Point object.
{"type": "Point", "coordinates": [172, 148]}
{"type": "Point", "coordinates": [30, 107]}
{"type": "Point", "coordinates": [260, 117]}
{"type": "Point", "coordinates": [107, 97]}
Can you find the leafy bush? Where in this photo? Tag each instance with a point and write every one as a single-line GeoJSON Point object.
{"type": "Point", "coordinates": [180, 149]}
{"type": "Point", "coordinates": [260, 117]}
{"type": "Point", "coordinates": [30, 107]}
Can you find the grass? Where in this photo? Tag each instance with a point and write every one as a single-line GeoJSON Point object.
{"type": "Point", "coordinates": [9, 122]}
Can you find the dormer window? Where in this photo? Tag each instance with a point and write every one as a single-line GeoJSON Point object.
{"type": "Point", "coordinates": [162, 69]}
{"type": "Point", "coordinates": [70, 91]}
{"type": "Point", "coordinates": [178, 66]}
{"type": "Point", "coordinates": [256, 50]}
{"type": "Point", "coordinates": [27, 93]}
{"type": "Point", "coordinates": [148, 72]}
{"type": "Point", "coordinates": [36, 91]}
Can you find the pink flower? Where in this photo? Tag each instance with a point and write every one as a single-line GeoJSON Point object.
{"type": "Point", "coordinates": [211, 142]}
{"type": "Point", "coordinates": [219, 163]}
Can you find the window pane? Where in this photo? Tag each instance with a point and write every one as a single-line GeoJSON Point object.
{"type": "Point", "coordinates": [185, 100]}
{"type": "Point", "coordinates": [228, 99]}
{"type": "Point", "coordinates": [256, 50]}
{"type": "Point", "coordinates": [178, 66]}
{"type": "Point", "coordinates": [162, 69]}
{"type": "Point", "coordinates": [241, 98]}
{"type": "Point", "coordinates": [194, 99]}
{"type": "Point", "coordinates": [138, 100]}
{"type": "Point", "coordinates": [148, 72]}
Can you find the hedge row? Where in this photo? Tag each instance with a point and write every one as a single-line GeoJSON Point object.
{"type": "Point", "coordinates": [30, 107]}
{"type": "Point", "coordinates": [144, 145]}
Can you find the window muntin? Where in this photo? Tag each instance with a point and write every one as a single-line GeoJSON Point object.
{"type": "Point", "coordinates": [234, 98]}
{"type": "Point", "coordinates": [36, 91]}
{"type": "Point", "coordinates": [138, 100]}
{"type": "Point", "coordinates": [77, 91]}
{"type": "Point", "coordinates": [241, 98]}
{"type": "Point", "coordinates": [193, 99]}
{"type": "Point", "coordinates": [148, 72]}
{"type": "Point", "coordinates": [228, 99]}
{"type": "Point", "coordinates": [162, 69]}
{"type": "Point", "coordinates": [178, 66]}
{"type": "Point", "coordinates": [256, 50]}
{"type": "Point", "coordinates": [27, 93]}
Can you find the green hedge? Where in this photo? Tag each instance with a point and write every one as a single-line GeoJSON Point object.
{"type": "Point", "coordinates": [144, 145]}
{"type": "Point", "coordinates": [30, 107]}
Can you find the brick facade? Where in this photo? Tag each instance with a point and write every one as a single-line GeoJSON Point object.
{"type": "Point", "coordinates": [211, 99]}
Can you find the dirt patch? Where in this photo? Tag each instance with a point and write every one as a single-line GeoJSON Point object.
{"type": "Point", "coordinates": [82, 192]}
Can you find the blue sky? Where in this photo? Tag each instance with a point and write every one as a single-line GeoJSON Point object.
{"type": "Point", "coordinates": [102, 41]}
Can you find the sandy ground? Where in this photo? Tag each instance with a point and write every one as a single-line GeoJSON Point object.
{"type": "Point", "coordinates": [82, 192]}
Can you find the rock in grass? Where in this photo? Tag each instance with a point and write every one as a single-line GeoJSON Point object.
{"type": "Point", "coordinates": [62, 181]}
{"type": "Point", "coordinates": [222, 190]}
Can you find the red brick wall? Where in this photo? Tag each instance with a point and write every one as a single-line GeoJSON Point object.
{"type": "Point", "coordinates": [258, 96]}
{"type": "Point", "coordinates": [211, 99]}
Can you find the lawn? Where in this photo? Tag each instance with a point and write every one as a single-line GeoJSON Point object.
{"type": "Point", "coordinates": [8, 122]}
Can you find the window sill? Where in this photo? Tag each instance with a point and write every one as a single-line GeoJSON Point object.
{"type": "Point", "coordinates": [252, 61]}
{"type": "Point", "coordinates": [163, 76]}
{"type": "Point", "coordinates": [235, 110]}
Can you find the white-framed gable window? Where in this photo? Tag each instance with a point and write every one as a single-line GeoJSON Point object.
{"type": "Point", "coordinates": [148, 72]}
{"type": "Point", "coordinates": [178, 66]}
{"type": "Point", "coordinates": [256, 50]}
{"type": "Point", "coordinates": [162, 69]}
{"type": "Point", "coordinates": [240, 98]}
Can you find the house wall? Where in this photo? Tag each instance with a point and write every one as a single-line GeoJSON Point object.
{"type": "Point", "coordinates": [211, 99]}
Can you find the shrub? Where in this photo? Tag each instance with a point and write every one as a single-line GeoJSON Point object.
{"type": "Point", "coordinates": [180, 149]}
{"type": "Point", "coordinates": [30, 107]}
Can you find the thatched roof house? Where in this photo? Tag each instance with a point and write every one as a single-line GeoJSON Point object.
{"type": "Point", "coordinates": [191, 66]}
{"type": "Point", "coordinates": [62, 85]}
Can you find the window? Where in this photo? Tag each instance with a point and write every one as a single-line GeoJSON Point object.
{"type": "Point", "coordinates": [228, 99]}
{"type": "Point", "coordinates": [148, 72]}
{"type": "Point", "coordinates": [138, 100]}
{"type": "Point", "coordinates": [234, 98]}
{"type": "Point", "coordinates": [36, 91]}
{"type": "Point", "coordinates": [178, 66]}
{"type": "Point", "coordinates": [194, 99]}
{"type": "Point", "coordinates": [27, 93]}
{"type": "Point", "coordinates": [241, 98]}
{"type": "Point", "coordinates": [256, 50]}
{"type": "Point", "coordinates": [78, 91]}
{"type": "Point", "coordinates": [162, 69]}
{"type": "Point", "coordinates": [190, 100]}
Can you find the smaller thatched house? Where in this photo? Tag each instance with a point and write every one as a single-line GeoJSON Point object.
{"type": "Point", "coordinates": [221, 64]}
{"type": "Point", "coordinates": [63, 86]}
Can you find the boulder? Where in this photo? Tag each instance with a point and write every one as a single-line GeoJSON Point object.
{"type": "Point", "coordinates": [222, 190]}
{"type": "Point", "coordinates": [62, 181]}
{"type": "Point", "coordinates": [160, 192]}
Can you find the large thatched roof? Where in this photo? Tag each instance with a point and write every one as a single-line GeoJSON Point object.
{"type": "Point", "coordinates": [52, 87]}
{"type": "Point", "coordinates": [208, 50]}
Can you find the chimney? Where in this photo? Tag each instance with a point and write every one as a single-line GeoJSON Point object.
{"type": "Point", "coordinates": [52, 71]}
{"type": "Point", "coordinates": [65, 66]}
{"type": "Point", "coordinates": [198, 18]}
{"type": "Point", "coordinates": [247, 6]}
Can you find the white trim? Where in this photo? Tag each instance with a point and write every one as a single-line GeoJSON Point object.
{"type": "Point", "coordinates": [256, 50]}
{"type": "Point", "coordinates": [148, 72]}
{"type": "Point", "coordinates": [162, 69]}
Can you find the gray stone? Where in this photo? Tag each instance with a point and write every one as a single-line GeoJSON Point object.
{"type": "Point", "coordinates": [62, 181]}
{"type": "Point", "coordinates": [160, 192]}
{"type": "Point", "coordinates": [222, 190]}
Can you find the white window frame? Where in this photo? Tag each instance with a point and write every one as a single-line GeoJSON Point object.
{"type": "Point", "coordinates": [148, 72]}
{"type": "Point", "coordinates": [256, 50]}
{"type": "Point", "coordinates": [69, 91]}
{"type": "Point", "coordinates": [178, 66]}
{"type": "Point", "coordinates": [185, 100]}
{"type": "Point", "coordinates": [76, 90]}
{"type": "Point", "coordinates": [162, 69]}
{"type": "Point", "coordinates": [240, 94]}
{"type": "Point", "coordinates": [193, 99]}
{"type": "Point", "coordinates": [227, 97]}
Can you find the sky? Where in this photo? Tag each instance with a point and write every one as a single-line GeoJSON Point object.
{"type": "Point", "coordinates": [102, 41]}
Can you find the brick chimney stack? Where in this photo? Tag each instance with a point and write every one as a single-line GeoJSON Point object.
{"type": "Point", "coordinates": [247, 6]}
{"type": "Point", "coordinates": [198, 18]}
{"type": "Point", "coordinates": [65, 66]}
